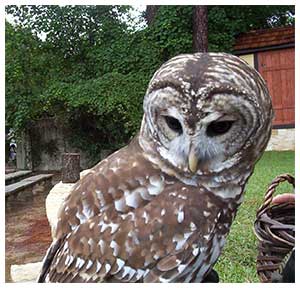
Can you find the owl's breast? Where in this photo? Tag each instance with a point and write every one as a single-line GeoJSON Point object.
{"type": "Point", "coordinates": [121, 183]}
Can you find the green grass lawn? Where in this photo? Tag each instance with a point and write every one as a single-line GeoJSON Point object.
{"type": "Point", "coordinates": [238, 260]}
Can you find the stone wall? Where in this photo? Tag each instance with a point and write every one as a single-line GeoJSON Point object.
{"type": "Point", "coordinates": [48, 142]}
{"type": "Point", "coordinates": [282, 139]}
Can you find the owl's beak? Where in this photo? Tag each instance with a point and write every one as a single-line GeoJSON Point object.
{"type": "Point", "coordinates": [193, 160]}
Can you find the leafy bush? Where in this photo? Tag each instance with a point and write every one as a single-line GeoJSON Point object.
{"type": "Point", "coordinates": [104, 112]}
{"type": "Point", "coordinates": [91, 71]}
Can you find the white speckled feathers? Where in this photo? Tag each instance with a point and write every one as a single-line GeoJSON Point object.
{"type": "Point", "coordinates": [159, 209]}
{"type": "Point", "coordinates": [140, 240]}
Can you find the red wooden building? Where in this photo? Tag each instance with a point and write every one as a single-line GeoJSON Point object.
{"type": "Point", "coordinates": [272, 53]}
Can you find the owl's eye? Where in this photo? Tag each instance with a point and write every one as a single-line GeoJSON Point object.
{"type": "Point", "coordinates": [218, 128]}
{"type": "Point", "coordinates": [173, 124]}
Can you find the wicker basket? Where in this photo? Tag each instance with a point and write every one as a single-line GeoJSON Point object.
{"type": "Point", "coordinates": [275, 230]}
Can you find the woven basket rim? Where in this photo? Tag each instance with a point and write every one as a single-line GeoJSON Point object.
{"type": "Point", "coordinates": [276, 239]}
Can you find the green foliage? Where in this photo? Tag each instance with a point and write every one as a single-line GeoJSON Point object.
{"type": "Point", "coordinates": [22, 81]}
{"type": "Point", "coordinates": [170, 37]}
{"type": "Point", "coordinates": [96, 110]}
{"type": "Point", "coordinates": [91, 70]}
{"type": "Point", "coordinates": [226, 22]}
{"type": "Point", "coordinates": [71, 29]}
{"type": "Point", "coordinates": [130, 53]}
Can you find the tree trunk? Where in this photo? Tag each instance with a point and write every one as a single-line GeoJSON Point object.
{"type": "Point", "coordinates": [151, 11]}
{"type": "Point", "coordinates": [70, 167]}
{"type": "Point", "coordinates": [200, 41]}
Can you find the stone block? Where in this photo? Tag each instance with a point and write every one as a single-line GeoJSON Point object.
{"type": "Point", "coordinates": [26, 272]}
{"type": "Point", "coordinates": [55, 199]}
{"type": "Point", "coordinates": [282, 140]}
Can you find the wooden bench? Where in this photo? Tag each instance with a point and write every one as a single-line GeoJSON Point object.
{"type": "Point", "coordinates": [16, 176]}
{"type": "Point", "coordinates": [25, 183]}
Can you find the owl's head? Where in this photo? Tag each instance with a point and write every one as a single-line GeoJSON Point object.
{"type": "Point", "coordinates": [206, 112]}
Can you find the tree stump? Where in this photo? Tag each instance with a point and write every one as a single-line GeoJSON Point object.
{"type": "Point", "coordinates": [70, 167]}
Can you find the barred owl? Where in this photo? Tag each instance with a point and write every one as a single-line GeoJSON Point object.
{"type": "Point", "coordinates": [159, 209]}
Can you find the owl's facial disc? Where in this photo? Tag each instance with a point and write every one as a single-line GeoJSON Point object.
{"type": "Point", "coordinates": [204, 113]}
{"type": "Point", "coordinates": [199, 143]}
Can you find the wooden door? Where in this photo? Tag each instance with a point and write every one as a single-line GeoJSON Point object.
{"type": "Point", "coordinates": [277, 67]}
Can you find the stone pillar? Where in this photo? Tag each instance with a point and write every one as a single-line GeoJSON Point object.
{"type": "Point", "coordinates": [70, 167]}
{"type": "Point", "coordinates": [24, 160]}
